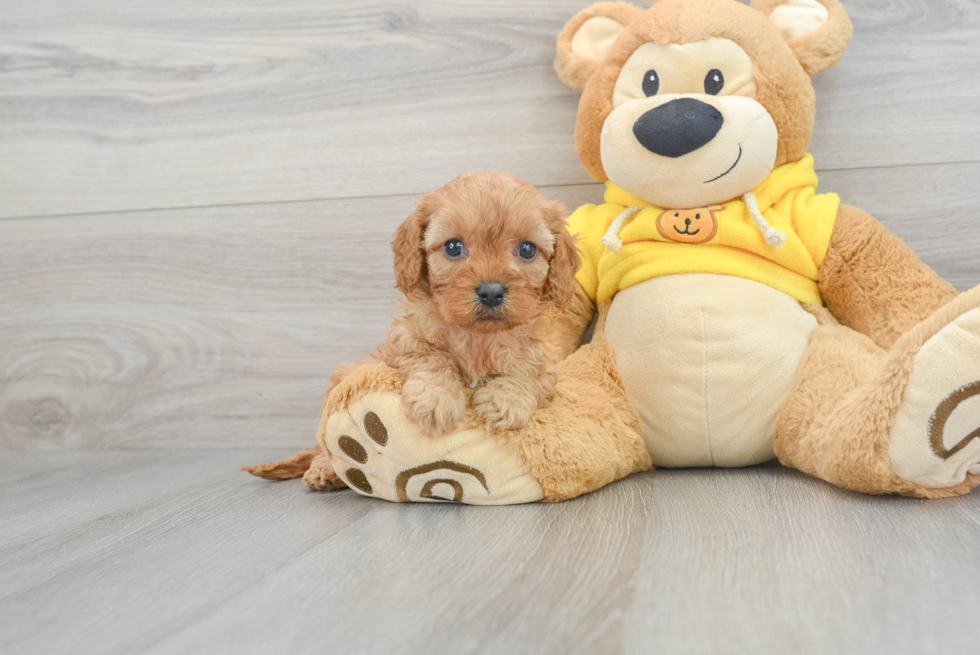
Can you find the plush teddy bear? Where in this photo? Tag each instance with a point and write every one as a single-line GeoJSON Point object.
{"type": "Point", "coordinates": [742, 315]}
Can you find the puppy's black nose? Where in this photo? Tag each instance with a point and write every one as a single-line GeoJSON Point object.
{"type": "Point", "coordinates": [678, 127]}
{"type": "Point", "coordinates": [491, 294]}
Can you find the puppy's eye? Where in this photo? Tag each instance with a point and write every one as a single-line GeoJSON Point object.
{"type": "Point", "coordinates": [651, 83]}
{"type": "Point", "coordinates": [453, 249]}
{"type": "Point", "coordinates": [714, 82]}
{"type": "Point", "coordinates": [527, 250]}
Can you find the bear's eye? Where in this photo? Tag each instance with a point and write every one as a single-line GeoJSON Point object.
{"type": "Point", "coordinates": [651, 83]}
{"type": "Point", "coordinates": [527, 250]}
{"type": "Point", "coordinates": [453, 249]}
{"type": "Point", "coordinates": [714, 82]}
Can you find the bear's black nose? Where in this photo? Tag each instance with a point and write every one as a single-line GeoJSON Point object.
{"type": "Point", "coordinates": [491, 294]}
{"type": "Point", "coordinates": [678, 127]}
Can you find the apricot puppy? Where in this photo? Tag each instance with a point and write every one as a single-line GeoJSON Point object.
{"type": "Point", "coordinates": [481, 262]}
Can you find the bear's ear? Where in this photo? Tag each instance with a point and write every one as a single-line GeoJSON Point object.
{"type": "Point", "coordinates": [587, 38]}
{"type": "Point", "coordinates": [818, 31]}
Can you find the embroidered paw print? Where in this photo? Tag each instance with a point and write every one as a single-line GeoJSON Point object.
{"type": "Point", "coordinates": [936, 431]}
{"type": "Point", "coordinates": [960, 411]}
{"type": "Point", "coordinates": [379, 452]}
{"type": "Point", "coordinates": [374, 428]}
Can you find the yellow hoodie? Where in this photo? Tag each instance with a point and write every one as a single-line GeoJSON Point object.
{"type": "Point", "coordinates": [730, 242]}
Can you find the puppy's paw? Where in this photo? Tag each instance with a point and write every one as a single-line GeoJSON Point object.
{"type": "Point", "coordinates": [321, 475]}
{"type": "Point", "coordinates": [432, 404]}
{"type": "Point", "coordinates": [504, 406]}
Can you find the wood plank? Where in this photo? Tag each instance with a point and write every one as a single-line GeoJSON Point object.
{"type": "Point", "coordinates": [927, 206]}
{"type": "Point", "coordinates": [760, 560]}
{"type": "Point", "coordinates": [218, 327]}
{"type": "Point", "coordinates": [229, 320]}
{"type": "Point", "coordinates": [50, 493]}
{"type": "Point", "coordinates": [195, 104]}
{"type": "Point", "coordinates": [142, 543]}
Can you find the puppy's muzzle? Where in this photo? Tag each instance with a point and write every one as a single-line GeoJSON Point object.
{"type": "Point", "coordinates": [491, 294]}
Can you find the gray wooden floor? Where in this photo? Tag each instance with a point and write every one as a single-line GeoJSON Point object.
{"type": "Point", "coordinates": [176, 552]}
{"type": "Point", "coordinates": [195, 204]}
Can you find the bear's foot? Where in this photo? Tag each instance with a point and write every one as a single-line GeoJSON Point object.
{"type": "Point", "coordinates": [379, 452]}
{"type": "Point", "coordinates": [935, 435]}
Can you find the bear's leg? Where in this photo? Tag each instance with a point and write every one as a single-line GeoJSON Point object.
{"type": "Point", "coordinates": [873, 282]}
{"type": "Point", "coordinates": [903, 421]}
{"type": "Point", "coordinates": [586, 438]}
{"type": "Point", "coordinates": [589, 436]}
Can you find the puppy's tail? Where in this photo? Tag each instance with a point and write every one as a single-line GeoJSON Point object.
{"type": "Point", "coordinates": [312, 465]}
{"type": "Point", "coordinates": [287, 469]}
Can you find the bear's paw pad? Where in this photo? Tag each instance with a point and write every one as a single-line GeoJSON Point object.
{"type": "Point", "coordinates": [379, 452]}
{"type": "Point", "coordinates": [936, 433]}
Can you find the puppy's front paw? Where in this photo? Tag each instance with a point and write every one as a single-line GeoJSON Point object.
{"type": "Point", "coordinates": [432, 404]}
{"type": "Point", "coordinates": [503, 406]}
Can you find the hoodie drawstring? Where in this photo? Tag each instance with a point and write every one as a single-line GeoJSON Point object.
{"type": "Point", "coordinates": [611, 239]}
{"type": "Point", "coordinates": [773, 236]}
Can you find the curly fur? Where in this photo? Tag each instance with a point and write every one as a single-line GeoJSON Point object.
{"type": "Point", "coordinates": [444, 340]}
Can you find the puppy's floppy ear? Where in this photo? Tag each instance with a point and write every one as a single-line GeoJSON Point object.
{"type": "Point", "coordinates": [564, 260]}
{"type": "Point", "coordinates": [408, 245]}
{"type": "Point", "coordinates": [818, 31]}
{"type": "Point", "coordinates": [587, 38]}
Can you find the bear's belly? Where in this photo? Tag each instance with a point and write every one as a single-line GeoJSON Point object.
{"type": "Point", "coordinates": [708, 360]}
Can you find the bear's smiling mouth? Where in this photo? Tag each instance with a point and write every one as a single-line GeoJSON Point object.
{"type": "Point", "coordinates": [737, 159]}
{"type": "Point", "coordinates": [686, 231]}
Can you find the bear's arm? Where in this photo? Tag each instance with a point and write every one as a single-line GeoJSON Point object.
{"type": "Point", "coordinates": [588, 223]}
{"type": "Point", "coordinates": [565, 326]}
{"type": "Point", "coordinates": [874, 283]}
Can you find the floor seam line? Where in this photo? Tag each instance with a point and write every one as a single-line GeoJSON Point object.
{"type": "Point", "coordinates": [295, 201]}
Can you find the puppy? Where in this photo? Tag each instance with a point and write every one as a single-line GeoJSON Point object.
{"type": "Point", "coordinates": [487, 268]}
{"type": "Point", "coordinates": [485, 264]}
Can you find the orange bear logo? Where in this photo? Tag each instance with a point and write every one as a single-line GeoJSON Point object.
{"type": "Point", "coordinates": [689, 225]}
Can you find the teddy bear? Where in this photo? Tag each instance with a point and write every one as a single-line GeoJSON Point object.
{"type": "Point", "coordinates": [741, 315]}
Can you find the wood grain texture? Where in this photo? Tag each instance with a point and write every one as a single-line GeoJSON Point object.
{"type": "Point", "coordinates": [218, 327]}
{"type": "Point", "coordinates": [180, 553]}
{"type": "Point", "coordinates": [228, 320]}
{"type": "Point", "coordinates": [234, 102]}
{"type": "Point", "coordinates": [197, 200]}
